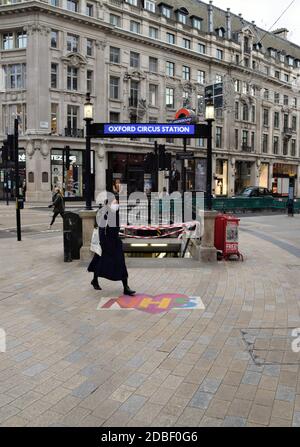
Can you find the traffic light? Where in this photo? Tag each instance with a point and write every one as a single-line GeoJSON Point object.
{"type": "Point", "coordinates": [4, 152]}
{"type": "Point", "coordinates": [161, 156]}
{"type": "Point", "coordinates": [149, 163]}
{"type": "Point", "coordinates": [11, 147]}
{"type": "Point", "coordinates": [8, 150]}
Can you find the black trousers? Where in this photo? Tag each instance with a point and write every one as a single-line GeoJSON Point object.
{"type": "Point", "coordinates": [55, 214]}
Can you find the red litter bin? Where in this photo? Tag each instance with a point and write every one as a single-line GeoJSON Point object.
{"type": "Point", "coordinates": [227, 236]}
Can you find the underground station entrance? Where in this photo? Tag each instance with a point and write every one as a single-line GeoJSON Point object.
{"type": "Point", "coordinates": [164, 226]}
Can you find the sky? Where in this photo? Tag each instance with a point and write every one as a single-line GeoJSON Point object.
{"type": "Point", "coordinates": [266, 12]}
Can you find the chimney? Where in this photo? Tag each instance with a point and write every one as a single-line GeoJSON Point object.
{"type": "Point", "coordinates": [228, 24]}
{"type": "Point", "coordinates": [281, 32]}
{"type": "Point", "coordinates": [210, 17]}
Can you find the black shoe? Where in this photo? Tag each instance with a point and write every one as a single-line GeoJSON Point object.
{"type": "Point", "coordinates": [128, 291]}
{"type": "Point", "coordinates": [95, 284]}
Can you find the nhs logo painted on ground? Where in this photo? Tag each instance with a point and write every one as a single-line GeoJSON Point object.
{"type": "Point", "coordinates": [152, 304]}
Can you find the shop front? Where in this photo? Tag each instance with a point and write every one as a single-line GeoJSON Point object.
{"type": "Point", "coordinates": [264, 175]}
{"type": "Point", "coordinates": [282, 173]}
{"type": "Point", "coordinates": [242, 175]}
{"type": "Point", "coordinates": [68, 170]}
{"type": "Point", "coordinates": [7, 178]}
{"type": "Point", "coordinates": [221, 178]}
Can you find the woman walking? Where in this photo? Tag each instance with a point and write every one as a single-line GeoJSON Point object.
{"type": "Point", "coordinates": [58, 206]}
{"type": "Point", "coordinates": [111, 264]}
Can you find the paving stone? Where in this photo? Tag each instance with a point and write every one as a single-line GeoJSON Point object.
{"type": "Point", "coordinates": [201, 400]}
{"type": "Point", "coordinates": [190, 417]}
{"type": "Point", "coordinates": [239, 408]}
{"type": "Point", "coordinates": [66, 404]}
{"type": "Point", "coordinates": [285, 393]}
{"type": "Point", "coordinates": [260, 414]}
{"type": "Point", "coordinates": [251, 378]}
{"type": "Point", "coordinates": [27, 399]}
{"type": "Point", "coordinates": [23, 356]}
{"type": "Point", "coordinates": [148, 413]}
{"type": "Point", "coordinates": [75, 416]}
{"type": "Point", "coordinates": [136, 380]}
{"type": "Point", "coordinates": [15, 421]}
{"type": "Point", "coordinates": [106, 409]}
{"type": "Point", "coordinates": [122, 393]}
{"type": "Point", "coordinates": [296, 419]}
{"type": "Point", "coordinates": [217, 408]}
{"type": "Point", "coordinates": [84, 389]}
{"type": "Point", "coordinates": [283, 409]}
{"type": "Point", "coordinates": [210, 385]}
{"type": "Point", "coordinates": [75, 356]}
{"type": "Point", "coordinates": [35, 369]}
{"type": "Point", "coordinates": [133, 404]}
{"type": "Point", "coordinates": [234, 421]}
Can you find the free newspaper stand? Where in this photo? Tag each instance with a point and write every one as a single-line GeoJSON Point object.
{"type": "Point", "coordinates": [227, 236]}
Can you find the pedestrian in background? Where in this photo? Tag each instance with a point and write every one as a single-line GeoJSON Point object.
{"type": "Point", "coordinates": [290, 207]}
{"type": "Point", "coordinates": [58, 205]}
{"type": "Point", "coordinates": [111, 264]}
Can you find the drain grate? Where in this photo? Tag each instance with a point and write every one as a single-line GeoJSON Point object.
{"type": "Point", "coordinates": [273, 345]}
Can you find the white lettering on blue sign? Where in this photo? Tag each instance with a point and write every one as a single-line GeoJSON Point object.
{"type": "Point", "coordinates": [150, 129]}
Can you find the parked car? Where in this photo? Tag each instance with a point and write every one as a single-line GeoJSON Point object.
{"type": "Point", "coordinates": [255, 191]}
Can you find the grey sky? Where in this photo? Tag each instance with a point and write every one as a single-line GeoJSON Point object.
{"type": "Point", "coordinates": [266, 12]}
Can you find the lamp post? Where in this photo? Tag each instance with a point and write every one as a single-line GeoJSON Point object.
{"type": "Point", "coordinates": [88, 118]}
{"type": "Point", "coordinates": [210, 118]}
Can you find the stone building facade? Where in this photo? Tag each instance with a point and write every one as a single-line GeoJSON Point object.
{"type": "Point", "coordinates": [142, 61]}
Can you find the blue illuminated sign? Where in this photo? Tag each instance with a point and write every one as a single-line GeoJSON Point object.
{"type": "Point", "coordinates": [149, 129]}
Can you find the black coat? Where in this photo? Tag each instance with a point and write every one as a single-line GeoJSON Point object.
{"type": "Point", "coordinates": [58, 203]}
{"type": "Point", "coordinates": [111, 264]}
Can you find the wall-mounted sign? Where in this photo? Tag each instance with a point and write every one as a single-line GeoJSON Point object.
{"type": "Point", "coordinates": [145, 130]}
{"type": "Point", "coordinates": [44, 125]}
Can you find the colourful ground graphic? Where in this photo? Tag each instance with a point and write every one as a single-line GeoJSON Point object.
{"type": "Point", "coordinates": [152, 304]}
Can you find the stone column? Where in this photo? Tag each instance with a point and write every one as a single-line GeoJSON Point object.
{"type": "Point", "coordinates": [297, 192]}
{"type": "Point", "coordinates": [37, 67]}
{"type": "Point", "coordinates": [101, 81]}
{"type": "Point", "coordinates": [88, 220]}
{"type": "Point", "coordinates": [208, 252]}
{"type": "Point", "coordinates": [255, 173]}
{"type": "Point", "coordinates": [270, 180]}
{"type": "Point", "coordinates": [231, 176]}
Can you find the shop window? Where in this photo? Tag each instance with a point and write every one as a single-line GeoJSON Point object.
{"type": "Point", "coordinates": [30, 177]}
{"type": "Point", "coordinates": [45, 177]}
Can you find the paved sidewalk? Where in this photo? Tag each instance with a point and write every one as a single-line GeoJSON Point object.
{"type": "Point", "coordinates": [68, 364]}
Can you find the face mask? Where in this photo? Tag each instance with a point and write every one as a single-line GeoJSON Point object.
{"type": "Point", "coordinates": [115, 207]}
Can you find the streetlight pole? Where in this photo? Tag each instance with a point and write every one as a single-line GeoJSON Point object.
{"type": "Point", "coordinates": [17, 177]}
{"type": "Point", "coordinates": [210, 117]}
{"type": "Point", "coordinates": [88, 118]}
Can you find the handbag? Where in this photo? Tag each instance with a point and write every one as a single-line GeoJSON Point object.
{"type": "Point", "coordinates": [95, 242]}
